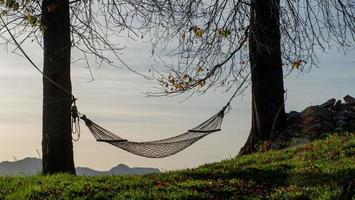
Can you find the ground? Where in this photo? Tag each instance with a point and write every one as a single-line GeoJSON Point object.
{"type": "Point", "coordinates": [324, 169]}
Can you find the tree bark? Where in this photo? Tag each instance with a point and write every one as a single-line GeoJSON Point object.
{"type": "Point", "coordinates": [57, 146]}
{"type": "Point", "coordinates": [268, 110]}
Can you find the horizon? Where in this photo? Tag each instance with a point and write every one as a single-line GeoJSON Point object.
{"type": "Point", "coordinates": [40, 159]}
{"type": "Point", "coordinates": [116, 100]}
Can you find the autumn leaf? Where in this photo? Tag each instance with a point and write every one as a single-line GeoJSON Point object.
{"type": "Point", "coordinates": [172, 81]}
{"type": "Point", "coordinates": [197, 31]}
{"type": "Point", "coordinates": [297, 64]}
{"type": "Point", "coordinates": [202, 83]}
{"type": "Point", "coordinates": [12, 4]}
{"type": "Point", "coordinates": [199, 69]}
{"type": "Point", "coordinates": [4, 13]}
{"type": "Point", "coordinates": [183, 35]}
{"type": "Point", "coordinates": [179, 86]}
{"type": "Point", "coordinates": [31, 19]}
{"type": "Point", "coordinates": [224, 32]}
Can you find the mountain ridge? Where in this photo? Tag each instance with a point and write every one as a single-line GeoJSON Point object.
{"type": "Point", "coordinates": [32, 166]}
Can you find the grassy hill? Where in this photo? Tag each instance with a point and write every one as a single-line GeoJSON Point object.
{"type": "Point", "coordinates": [324, 169]}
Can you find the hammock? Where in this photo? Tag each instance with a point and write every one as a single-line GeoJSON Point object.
{"type": "Point", "coordinates": [158, 148]}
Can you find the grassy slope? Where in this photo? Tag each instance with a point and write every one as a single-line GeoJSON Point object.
{"type": "Point", "coordinates": [314, 171]}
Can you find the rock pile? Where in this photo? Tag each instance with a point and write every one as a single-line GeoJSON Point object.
{"type": "Point", "coordinates": [317, 121]}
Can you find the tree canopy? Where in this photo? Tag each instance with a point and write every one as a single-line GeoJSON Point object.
{"type": "Point", "coordinates": [213, 39]}
{"type": "Point", "coordinates": [211, 35]}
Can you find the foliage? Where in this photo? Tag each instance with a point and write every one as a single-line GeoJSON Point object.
{"type": "Point", "coordinates": [214, 34]}
{"type": "Point", "coordinates": [319, 170]}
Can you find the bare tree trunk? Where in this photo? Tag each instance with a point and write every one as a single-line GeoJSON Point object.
{"type": "Point", "coordinates": [57, 146]}
{"type": "Point", "coordinates": [268, 110]}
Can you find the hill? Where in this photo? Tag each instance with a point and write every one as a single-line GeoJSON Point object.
{"type": "Point", "coordinates": [120, 169]}
{"type": "Point", "coordinates": [324, 169]}
{"type": "Point", "coordinates": [27, 166]}
{"type": "Point", "coordinates": [33, 166]}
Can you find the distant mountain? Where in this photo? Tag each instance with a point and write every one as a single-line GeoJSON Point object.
{"type": "Point", "coordinates": [32, 166]}
{"type": "Point", "coordinates": [27, 166]}
{"type": "Point", "coordinates": [85, 171]}
{"type": "Point", "coordinates": [120, 169]}
{"type": "Point", "coordinates": [125, 170]}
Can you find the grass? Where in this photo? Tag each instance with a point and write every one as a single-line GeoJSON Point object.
{"type": "Point", "coordinates": [320, 170]}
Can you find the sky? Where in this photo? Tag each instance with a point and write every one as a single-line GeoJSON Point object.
{"type": "Point", "coordinates": [117, 101]}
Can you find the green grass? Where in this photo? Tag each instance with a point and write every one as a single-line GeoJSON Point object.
{"type": "Point", "coordinates": [319, 170]}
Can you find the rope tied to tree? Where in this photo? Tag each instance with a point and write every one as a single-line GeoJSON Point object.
{"type": "Point", "coordinates": [74, 111]}
{"type": "Point", "coordinates": [75, 119]}
{"type": "Point", "coordinates": [164, 147]}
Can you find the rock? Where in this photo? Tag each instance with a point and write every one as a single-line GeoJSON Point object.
{"type": "Point", "coordinates": [351, 125]}
{"type": "Point", "coordinates": [294, 129]}
{"type": "Point", "coordinates": [315, 114]}
{"type": "Point", "coordinates": [340, 123]}
{"type": "Point", "coordinates": [351, 114]}
{"type": "Point", "coordinates": [320, 127]}
{"type": "Point", "coordinates": [316, 122]}
{"type": "Point", "coordinates": [315, 127]}
{"type": "Point", "coordinates": [349, 100]}
{"type": "Point", "coordinates": [327, 127]}
{"type": "Point", "coordinates": [293, 117]}
{"type": "Point", "coordinates": [340, 116]}
{"type": "Point", "coordinates": [337, 106]}
{"type": "Point", "coordinates": [329, 103]}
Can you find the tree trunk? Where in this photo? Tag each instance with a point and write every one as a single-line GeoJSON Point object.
{"type": "Point", "coordinates": [268, 110]}
{"type": "Point", "coordinates": [57, 146]}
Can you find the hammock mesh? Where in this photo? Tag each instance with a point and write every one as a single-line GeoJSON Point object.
{"type": "Point", "coordinates": [158, 148]}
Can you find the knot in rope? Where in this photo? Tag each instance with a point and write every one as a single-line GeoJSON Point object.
{"type": "Point", "coordinates": [75, 119]}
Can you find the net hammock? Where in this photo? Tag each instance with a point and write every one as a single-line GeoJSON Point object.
{"type": "Point", "coordinates": [158, 148]}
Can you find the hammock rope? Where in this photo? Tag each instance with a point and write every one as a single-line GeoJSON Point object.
{"type": "Point", "coordinates": [151, 149]}
{"type": "Point", "coordinates": [165, 147]}
{"type": "Point", "coordinates": [158, 148]}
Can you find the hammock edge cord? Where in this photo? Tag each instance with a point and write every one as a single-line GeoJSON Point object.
{"type": "Point", "coordinates": [157, 148]}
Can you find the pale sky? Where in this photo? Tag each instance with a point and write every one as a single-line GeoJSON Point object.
{"type": "Point", "coordinates": [116, 100]}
